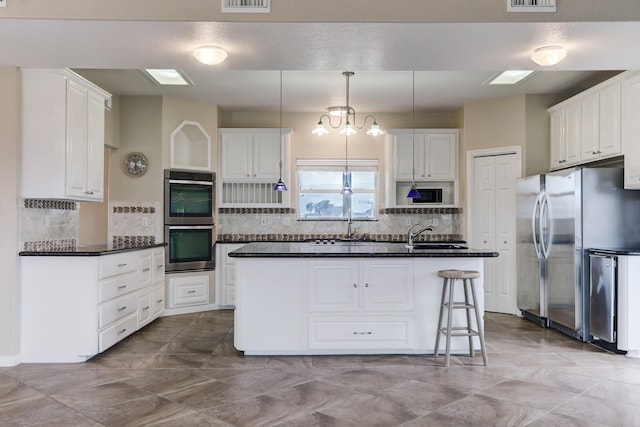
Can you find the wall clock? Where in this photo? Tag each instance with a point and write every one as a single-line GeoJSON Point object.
{"type": "Point", "coordinates": [135, 164]}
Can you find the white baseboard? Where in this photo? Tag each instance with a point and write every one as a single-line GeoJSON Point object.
{"type": "Point", "coordinates": [193, 309]}
{"type": "Point", "coordinates": [6, 361]}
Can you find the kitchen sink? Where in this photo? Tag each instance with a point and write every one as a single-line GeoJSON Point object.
{"type": "Point", "coordinates": [438, 245]}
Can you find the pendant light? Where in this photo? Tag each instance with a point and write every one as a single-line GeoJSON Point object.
{"type": "Point", "coordinates": [413, 193]}
{"type": "Point", "coordinates": [346, 188]}
{"type": "Point", "coordinates": [280, 185]}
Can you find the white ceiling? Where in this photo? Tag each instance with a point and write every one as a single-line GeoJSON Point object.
{"type": "Point", "coordinates": [452, 60]}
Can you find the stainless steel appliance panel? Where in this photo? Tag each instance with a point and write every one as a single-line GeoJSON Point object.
{"type": "Point", "coordinates": [190, 247]}
{"type": "Point", "coordinates": [602, 299]}
{"type": "Point", "coordinates": [530, 261]}
{"type": "Point", "coordinates": [562, 249]}
{"type": "Point", "coordinates": [189, 197]}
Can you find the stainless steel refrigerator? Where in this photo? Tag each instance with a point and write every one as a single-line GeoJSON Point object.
{"type": "Point", "coordinates": [560, 216]}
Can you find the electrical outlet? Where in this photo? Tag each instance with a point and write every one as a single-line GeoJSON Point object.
{"type": "Point", "coordinates": [144, 222]}
{"type": "Point", "coordinates": [434, 222]}
{"type": "Point", "coordinates": [407, 222]}
{"type": "Point", "coordinates": [263, 221]}
{"type": "Point", "coordinates": [3, 3]}
{"type": "Point", "coordinates": [286, 222]}
{"type": "Point", "coordinates": [47, 221]}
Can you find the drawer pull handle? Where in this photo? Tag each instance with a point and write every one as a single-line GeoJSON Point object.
{"type": "Point", "coordinates": [88, 192]}
{"type": "Point", "coordinates": [122, 286]}
{"type": "Point", "coordinates": [366, 285]}
{"type": "Point", "coordinates": [191, 292]}
{"type": "Point", "coordinates": [146, 269]}
{"type": "Point", "coordinates": [362, 333]}
{"type": "Point", "coordinates": [146, 308]}
{"type": "Point", "coordinates": [122, 331]}
{"type": "Point", "coordinates": [160, 300]}
{"type": "Point", "coordinates": [160, 266]}
{"type": "Point", "coordinates": [124, 307]}
{"type": "Point", "coordinates": [122, 265]}
{"type": "Point", "coordinates": [355, 285]}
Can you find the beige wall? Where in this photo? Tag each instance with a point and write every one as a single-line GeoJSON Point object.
{"type": "Point", "coordinates": [140, 131]}
{"type": "Point", "coordinates": [93, 217]}
{"type": "Point", "coordinates": [10, 148]}
{"type": "Point", "coordinates": [324, 11]}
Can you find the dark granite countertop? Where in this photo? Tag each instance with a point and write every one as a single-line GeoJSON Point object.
{"type": "Point", "coordinates": [349, 249]}
{"type": "Point", "coordinates": [616, 251]}
{"type": "Point", "coordinates": [95, 249]}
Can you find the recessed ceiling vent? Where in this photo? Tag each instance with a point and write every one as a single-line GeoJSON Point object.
{"type": "Point", "coordinates": [246, 6]}
{"type": "Point", "coordinates": [531, 5]}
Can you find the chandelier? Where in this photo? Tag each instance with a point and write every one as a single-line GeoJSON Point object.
{"type": "Point", "coordinates": [346, 114]}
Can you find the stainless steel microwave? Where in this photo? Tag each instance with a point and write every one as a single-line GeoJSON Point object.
{"type": "Point", "coordinates": [428, 196]}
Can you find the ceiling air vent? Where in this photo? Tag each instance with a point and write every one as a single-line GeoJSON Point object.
{"type": "Point", "coordinates": [531, 6]}
{"type": "Point", "coordinates": [246, 6]}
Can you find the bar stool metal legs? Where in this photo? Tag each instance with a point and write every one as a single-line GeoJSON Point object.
{"type": "Point", "coordinates": [450, 278]}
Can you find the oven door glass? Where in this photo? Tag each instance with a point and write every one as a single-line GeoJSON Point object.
{"type": "Point", "coordinates": [188, 202]}
{"type": "Point", "coordinates": [190, 247]}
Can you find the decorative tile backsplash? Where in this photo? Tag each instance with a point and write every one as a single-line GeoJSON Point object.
{"type": "Point", "coordinates": [48, 224]}
{"type": "Point", "coordinates": [258, 224]}
{"type": "Point", "coordinates": [49, 245]}
{"type": "Point", "coordinates": [134, 240]}
{"type": "Point", "coordinates": [135, 220]}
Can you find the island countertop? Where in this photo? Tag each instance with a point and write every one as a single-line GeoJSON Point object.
{"type": "Point", "coordinates": [342, 249]}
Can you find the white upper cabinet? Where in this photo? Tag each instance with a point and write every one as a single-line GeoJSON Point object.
{"type": "Point", "coordinates": [630, 129]}
{"type": "Point", "coordinates": [434, 154]}
{"type": "Point", "coordinates": [63, 136]}
{"type": "Point", "coordinates": [251, 154]}
{"type": "Point", "coordinates": [587, 127]}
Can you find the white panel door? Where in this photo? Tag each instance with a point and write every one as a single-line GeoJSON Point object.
{"type": "Point", "coordinates": [494, 227]}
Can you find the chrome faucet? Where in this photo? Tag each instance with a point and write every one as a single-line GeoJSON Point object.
{"type": "Point", "coordinates": [411, 236]}
{"type": "Point", "coordinates": [351, 230]}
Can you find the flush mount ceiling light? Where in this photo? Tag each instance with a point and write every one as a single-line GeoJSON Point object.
{"type": "Point", "coordinates": [510, 77]}
{"type": "Point", "coordinates": [167, 77]}
{"type": "Point", "coordinates": [210, 55]}
{"type": "Point", "coordinates": [346, 113]}
{"type": "Point", "coordinates": [548, 55]}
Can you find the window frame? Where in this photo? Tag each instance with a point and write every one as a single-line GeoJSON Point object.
{"type": "Point", "coordinates": [338, 165]}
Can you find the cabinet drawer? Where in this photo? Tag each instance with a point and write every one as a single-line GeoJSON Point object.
{"type": "Point", "coordinates": [157, 300]}
{"type": "Point", "coordinates": [114, 310]}
{"type": "Point", "coordinates": [117, 332]}
{"type": "Point", "coordinates": [117, 286]}
{"type": "Point", "coordinates": [189, 291]}
{"type": "Point", "coordinates": [112, 265]}
{"type": "Point", "coordinates": [361, 334]}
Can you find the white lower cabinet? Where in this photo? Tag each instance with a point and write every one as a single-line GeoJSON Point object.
{"type": "Point", "coordinates": [191, 290]}
{"type": "Point", "coordinates": [74, 307]}
{"type": "Point", "coordinates": [356, 332]}
{"type": "Point", "coordinates": [226, 274]}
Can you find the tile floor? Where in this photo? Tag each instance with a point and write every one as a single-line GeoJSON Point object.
{"type": "Point", "coordinates": [183, 371]}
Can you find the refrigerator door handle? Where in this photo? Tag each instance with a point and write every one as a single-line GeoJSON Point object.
{"type": "Point", "coordinates": [544, 219]}
{"type": "Point", "coordinates": [534, 228]}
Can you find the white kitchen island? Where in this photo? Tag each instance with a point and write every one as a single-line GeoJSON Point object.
{"type": "Point", "coordinates": [346, 298]}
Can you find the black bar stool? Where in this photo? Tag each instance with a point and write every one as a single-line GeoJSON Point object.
{"type": "Point", "coordinates": [451, 277]}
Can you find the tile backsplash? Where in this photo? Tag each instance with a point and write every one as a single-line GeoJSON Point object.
{"type": "Point", "coordinates": [48, 224]}
{"type": "Point", "coordinates": [135, 222]}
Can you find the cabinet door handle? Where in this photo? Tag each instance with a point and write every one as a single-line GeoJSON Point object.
{"type": "Point", "coordinates": [124, 307]}
{"type": "Point", "coordinates": [366, 285]}
{"type": "Point", "coordinates": [144, 270]}
{"type": "Point", "coordinates": [122, 287]}
{"type": "Point", "coordinates": [122, 265]}
{"type": "Point", "coordinates": [88, 192]}
{"type": "Point", "coordinates": [122, 331]}
{"type": "Point", "coordinates": [355, 285]}
{"type": "Point", "coordinates": [363, 333]}
{"type": "Point", "coordinates": [159, 300]}
{"type": "Point", "coordinates": [146, 308]}
{"type": "Point", "coordinates": [160, 266]}
{"type": "Point", "coordinates": [191, 292]}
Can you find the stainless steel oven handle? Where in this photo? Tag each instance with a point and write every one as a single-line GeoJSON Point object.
{"type": "Point", "coordinates": [190, 227]}
{"type": "Point", "coordinates": [182, 181]}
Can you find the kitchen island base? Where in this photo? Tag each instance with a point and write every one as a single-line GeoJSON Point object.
{"type": "Point", "coordinates": [334, 306]}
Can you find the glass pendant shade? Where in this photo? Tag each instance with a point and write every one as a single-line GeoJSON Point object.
{"type": "Point", "coordinates": [375, 130]}
{"type": "Point", "coordinates": [413, 193]}
{"type": "Point", "coordinates": [320, 130]}
{"type": "Point", "coordinates": [346, 189]}
{"type": "Point", "coordinates": [280, 186]}
{"type": "Point", "coordinates": [348, 130]}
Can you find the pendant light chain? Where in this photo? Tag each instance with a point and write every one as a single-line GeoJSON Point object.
{"type": "Point", "coordinates": [280, 185]}
{"type": "Point", "coordinates": [413, 192]}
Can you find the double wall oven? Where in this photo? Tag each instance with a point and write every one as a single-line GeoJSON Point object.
{"type": "Point", "coordinates": [189, 228]}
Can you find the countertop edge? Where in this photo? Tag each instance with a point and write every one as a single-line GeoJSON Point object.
{"type": "Point", "coordinates": [80, 252]}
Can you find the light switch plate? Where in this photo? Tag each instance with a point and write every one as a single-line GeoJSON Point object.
{"type": "Point", "coordinates": [3, 3]}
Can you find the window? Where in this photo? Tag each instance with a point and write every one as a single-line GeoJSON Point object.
{"type": "Point", "coordinates": [320, 183]}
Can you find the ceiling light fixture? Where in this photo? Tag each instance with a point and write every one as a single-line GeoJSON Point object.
{"type": "Point", "coordinates": [413, 192]}
{"type": "Point", "coordinates": [348, 113]}
{"type": "Point", "coordinates": [210, 55]}
{"type": "Point", "coordinates": [280, 185]}
{"type": "Point", "coordinates": [167, 77]}
{"type": "Point", "coordinates": [510, 77]}
{"type": "Point", "coordinates": [548, 55]}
